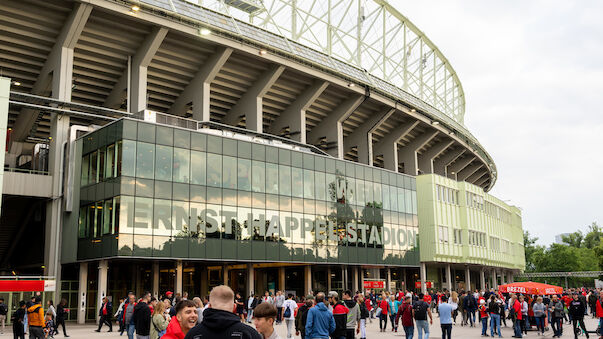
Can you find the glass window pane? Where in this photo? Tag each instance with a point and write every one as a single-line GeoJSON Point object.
{"type": "Point", "coordinates": [162, 217]}
{"type": "Point", "coordinates": [182, 138]}
{"type": "Point", "coordinates": [85, 170]}
{"type": "Point", "coordinates": [271, 178]}
{"type": "Point", "coordinates": [229, 172]}
{"type": "Point", "coordinates": [93, 176]}
{"type": "Point", "coordinates": [107, 214]}
{"type": "Point", "coordinates": [319, 183]}
{"type": "Point", "coordinates": [82, 222]}
{"type": "Point", "coordinates": [199, 142]}
{"type": "Point", "coordinates": [145, 160]}
{"type": "Point", "coordinates": [101, 164]}
{"type": "Point", "coordinates": [115, 215]}
{"type": "Point", "coordinates": [126, 214]}
{"type": "Point", "coordinates": [386, 205]}
{"type": "Point", "coordinates": [244, 174]}
{"type": "Point", "coordinates": [214, 170]}
{"type": "Point", "coordinates": [198, 168]}
{"type": "Point", "coordinates": [181, 165]}
{"type": "Point", "coordinates": [165, 136]}
{"type": "Point", "coordinates": [163, 163]}
{"type": "Point", "coordinates": [284, 180]}
{"type": "Point", "coordinates": [297, 186]}
{"type": "Point", "coordinates": [126, 161]}
{"type": "Point", "coordinates": [258, 176]}
{"type": "Point", "coordinates": [401, 207]}
{"type": "Point", "coordinates": [214, 144]}
{"type": "Point", "coordinates": [308, 183]}
{"type": "Point", "coordinates": [110, 162]}
{"type": "Point", "coordinates": [180, 218]}
{"type": "Point", "coordinates": [143, 215]}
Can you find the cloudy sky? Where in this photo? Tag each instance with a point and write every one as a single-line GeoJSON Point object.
{"type": "Point", "coordinates": [532, 72]}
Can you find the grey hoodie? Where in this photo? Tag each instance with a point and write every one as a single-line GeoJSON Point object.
{"type": "Point", "coordinates": [353, 314]}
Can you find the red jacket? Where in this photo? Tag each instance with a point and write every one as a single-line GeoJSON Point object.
{"type": "Point", "coordinates": [384, 306]}
{"type": "Point", "coordinates": [173, 331]}
{"type": "Point", "coordinates": [599, 308]}
{"type": "Point", "coordinates": [517, 308]}
{"type": "Point", "coordinates": [367, 302]}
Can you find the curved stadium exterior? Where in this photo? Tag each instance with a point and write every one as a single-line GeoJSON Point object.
{"type": "Point", "coordinates": [162, 145]}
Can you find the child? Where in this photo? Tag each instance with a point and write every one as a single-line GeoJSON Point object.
{"type": "Point", "coordinates": [49, 328]}
{"type": "Point", "coordinates": [483, 316]}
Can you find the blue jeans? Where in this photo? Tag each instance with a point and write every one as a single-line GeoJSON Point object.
{"type": "Point", "coordinates": [410, 331]}
{"type": "Point", "coordinates": [131, 330]}
{"type": "Point", "coordinates": [517, 328]}
{"type": "Point", "coordinates": [484, 321]}
{"type": "Point", "coordinates": [556, 326]}
{"type": "Point", "coordinates": [422, 326]}
{"type": "Point", "coordinates": [495, 324]}
{"type": "Point", "coordinates": [471, 315]}
{"type": "Point", "coordinates": [540, 323]}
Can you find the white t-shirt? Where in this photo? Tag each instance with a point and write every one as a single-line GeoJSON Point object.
{"type": "Point", "coordinates": [292, 306]}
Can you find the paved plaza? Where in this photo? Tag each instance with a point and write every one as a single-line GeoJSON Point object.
{"type": "Point", "coordinates": [87, 331]}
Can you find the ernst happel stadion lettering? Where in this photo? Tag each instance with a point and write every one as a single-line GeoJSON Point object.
{"type": "Point", "coordinates": [149, 190]}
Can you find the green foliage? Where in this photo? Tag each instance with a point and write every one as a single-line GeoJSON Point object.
{"type": "Point", "coordinates": [579, 252]}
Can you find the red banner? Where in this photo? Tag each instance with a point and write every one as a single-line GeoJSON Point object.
{"type": "Point", "coordinates": [24, 285]}
{"type": "Point", "coordinates": [427, 284]}
{"type": "Point", "coordinates": [374, 284]}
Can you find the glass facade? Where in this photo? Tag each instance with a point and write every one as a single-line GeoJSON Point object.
{"type": "Point", "coordinates": [155, 191]}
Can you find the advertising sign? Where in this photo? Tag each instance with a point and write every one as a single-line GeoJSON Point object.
{"type": "Point", "coordinates": [374, 284]}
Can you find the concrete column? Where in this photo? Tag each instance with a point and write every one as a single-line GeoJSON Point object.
{"type": "Point", "coordinates": [103, 270]}
{"type": "Point", "coordinates": [82, 292]}
{"type": "Point", "coordinates": [458, 165]}
{"type": "Point", "coordinates": [250, 279]}
{"type": "Point", "coordinates": [355, 283]}
{"type": "Point", "coordinates": [423, 276]}
{"type": "Point", "coordinates": [494, 280]}
{"type": "Point", "coordinates": [331, 127]}
{"type": "Point", "coordinates": [156, 279]}
{"type": "Point", "coordinates": [426, 158]}
{"type": "Point", "coordinates": [307, 279]}
{"type": "Point", "coordinates": [408, 153]}
{"type": "Point", "coordinates": [388, 279]}
{"type": "Point", "coordinates": [281, 279]}
{"type": "Point", "coordinates": [482, 279]}
{"type": "Point", "coordinates": [468, 278]}
{"type": "Point", "coordinates": [329, 279]}
{"type": "Point", "coordinates": [448, 277]}
{"type": "Point", "coordinates": [503, 278]}
{"type": "Point", "coordinates": [388, 145]}
{"type": "Point", "coordinates": [204, 283]}
{"type": "Point", "coordinates": [361, 274]}
{"type": "Point", "coordinates": [440, 164]}
{"type": "Point", "coordinates": [404, 279]}
{"type": "Point", "coordinates": [225, 275]}
{"type": "Point", "coordinates": [294, 116]}
{"type": "Point", "coordinates": [362, 136]}
{"type": "Point", "coordinates": [178, 287]}
{"type": "Point", "coordinates": [4, 95]}
{"type": "Point", "coordinates": [250, 104]}
{"type": "Point", "coordinates": [344, 277]}
{"type": "Point", "coordinates": [511, 277]}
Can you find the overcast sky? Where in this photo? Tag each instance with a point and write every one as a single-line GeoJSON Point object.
{"type": "Point", "coordinates": [532, 72]}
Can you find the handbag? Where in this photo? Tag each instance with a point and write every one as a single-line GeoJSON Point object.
{"type": "Point", "coordinates": [378, 312]}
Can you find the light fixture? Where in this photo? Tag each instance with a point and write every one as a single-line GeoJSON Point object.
{"type": "Point", "coordinates": [263, 52]}
{"type": "Point", "coordinates": [435, 123]}
{"type": "Point", "coordinates": [17, 83]}
{"type": "Point", "coordinates": [351, 84]}
{"type": "Point", "coordinates": [451, 133]}
{"type": "Point", "coordinates": [135, 8]}
{"type": "Point", "coordinates": [452, 173]}
{"type": "Point", "coordinates": [412, 110]}
{"type": "Point", "coordinates": [204, 31]}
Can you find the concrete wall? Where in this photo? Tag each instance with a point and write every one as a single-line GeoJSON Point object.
{"type": "Point", "coordinates": [26, 184]}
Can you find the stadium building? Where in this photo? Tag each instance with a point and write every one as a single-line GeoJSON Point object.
{"type": "Point", "coordinates": [171, 145]}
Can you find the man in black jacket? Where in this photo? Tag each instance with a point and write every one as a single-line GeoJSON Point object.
{"type": "Point", "coordinates": [142, 317]}
{"type": "Point", "coordinates": [219, 321]}
{"type": "Point", "coordinates": [105, 313]}
{"type": "Point", "coordinates": [577, 308]}
{"type": "Point", "coordinates": [302, 316]}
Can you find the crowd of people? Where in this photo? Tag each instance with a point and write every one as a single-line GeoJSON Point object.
{"type": "Point", "coordinates": [223, 314]}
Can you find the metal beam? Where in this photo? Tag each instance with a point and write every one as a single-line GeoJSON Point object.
{"type": "Point", "coordinates": [294, 116]}
{"type": "Point", "coordinates": [362, 137]}
{"type": "Point", "coordinates": [466, 172]}
{"type": "Point", "coordinates": [440, 164]}
{"type": "Point", "coordinates": [477, 175]}
{"type": "Point", "coordinates": [331, 127]}
{"type": "Point", "coordinates": [60, 59]}
{"type": "Point", "coordinates": [482, 180]}
{"type": "Point", "coordinates": [197, 91]}
{"type": "Point", "coordinates": [426, 158]}
{"type": "Point", "coordinates": [250, 104]}
{"type": "Point", "coordinates": [140, 62]}
{"type": "Point", "coordinates": [458, 165]}
{"type": "Point", "coordinates": [388, 146]}
{"type": "Point", "coordinates": [408, 153]}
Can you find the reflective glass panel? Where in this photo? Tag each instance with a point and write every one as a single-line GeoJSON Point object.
{"type": "Point", "coordinates": [163, 163]}
{"type": "Point", "coordinates": [198, 171]}
{"type": "Point", "coordinates": [145, 160]}
{"type": "Point", "coordinates": [214, 170]}
{"type": "Point", "coordinates": [181, 165]}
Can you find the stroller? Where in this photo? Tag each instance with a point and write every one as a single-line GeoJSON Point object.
{"type": "Point", "coordinates": [49, 328]}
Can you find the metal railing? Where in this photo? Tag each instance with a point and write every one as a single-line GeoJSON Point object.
{"type": "Point", "coordinates": [581, 274]}
{"type": "Point", "coordinates": [26, 171]}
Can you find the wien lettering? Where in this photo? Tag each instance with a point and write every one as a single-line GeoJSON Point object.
{"type": "Point", "coordinates": [259, 226]}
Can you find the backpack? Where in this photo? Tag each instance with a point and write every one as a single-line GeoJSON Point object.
{"type": "Point", "coordinates": [287, 313]}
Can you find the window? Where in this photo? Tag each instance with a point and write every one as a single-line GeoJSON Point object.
{"type": "Point", "coordinates": [198, 170]}
{"type": "Point", "coordinates": [145, 160]}
{"type": "Point", "coordinates": [181, 165]}
{"type": "Point", "coordinates": [443, 234]}
{"type": "Point", "coordinates": [163, 163]}
{"type": "Point", "coordinates": [458, 238]}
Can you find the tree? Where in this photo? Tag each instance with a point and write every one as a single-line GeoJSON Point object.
{"type": "Point", "coordinates": [532, 251]}
{"type": "Point", "coordinates": [594, 236]}
{"type": "Point", "coordinates": [573, 239]}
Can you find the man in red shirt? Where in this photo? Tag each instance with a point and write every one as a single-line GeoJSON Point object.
{"type": "Point", "coordinates": [105, 313]}
{"type": "Point", "coordinates": [427, 299]}
{"type": "Point", "coordinates": [406, 312]}
{"type": "Point", "coordinates": [518, 317]}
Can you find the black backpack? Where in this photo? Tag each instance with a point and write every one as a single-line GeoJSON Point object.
{"type": "Point", "coordinates": [287, 313]}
